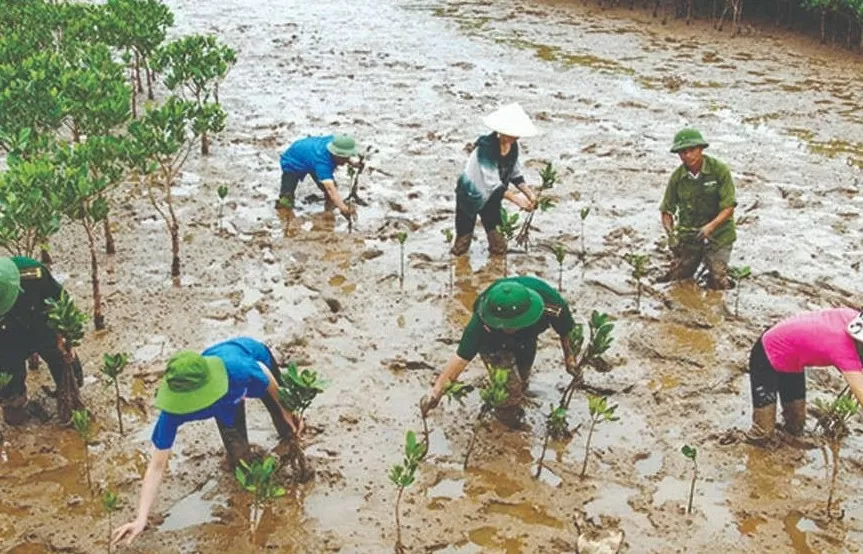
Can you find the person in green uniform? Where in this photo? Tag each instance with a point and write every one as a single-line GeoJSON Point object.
{"type": "Point", "coordinates": [508, 318]}
{"type": "Point", "coordinates": [701, 196]}
{"type": "Point", "coordinates": [25, 284]}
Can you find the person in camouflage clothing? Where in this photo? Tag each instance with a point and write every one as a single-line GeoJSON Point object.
{"type": "Point", "coordinates": [701, 195]}
{"type": "Point", "coordinates": [508, 318]}
{"type": "Point", "coordinates": [25, 285]}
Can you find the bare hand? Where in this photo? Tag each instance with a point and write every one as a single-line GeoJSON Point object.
{"type": "Point", "coordinates": [523, 202]}
{"type": "Point", "coordinates": [705, 232]}
{"type": "Point", "coordinates": [429, 401]}
{"type": "Point", "coordinates": [128, 532]}
{"type": "Point", "coordinates": [348, 211]}
{"type": "Point", "coordinates": [297, 423]}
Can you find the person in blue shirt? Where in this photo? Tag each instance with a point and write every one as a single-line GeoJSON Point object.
{"type": "Point", "coordinates": [213, 384]}
{"type": "Point", "coordinates": [318, 157]}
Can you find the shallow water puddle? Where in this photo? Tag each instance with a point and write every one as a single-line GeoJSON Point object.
{"type": "Point", "coordinates": [482, 481]}
{"type": "Point", "coordinates": [613, 500]}
{"type": "Point", "coordinates": [797, 527]}
{"type": "Point", "coordinates": [194, 509]}
{"type": "Point", "coordinates": [649, 465]}
{"type": "Point", "coordinates": [749, 525]}
{"type": "Point", "coordinates": [447, 489]}
{"type": "Point", "coordinates": [709, 499]}
{"type": "Point", "coordinates": [526, 512]}
{"type": "Point", "coordinates": [489, 537]}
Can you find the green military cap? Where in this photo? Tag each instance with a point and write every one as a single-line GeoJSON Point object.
{"type": "Point", "coordinates": [342, 146]}
{"type": "Point", "coordinates": [10, 285]}
{"type": "Point", "coordinates": [509, 305]}
{"type": "Point", "coordinates": [688, 138]}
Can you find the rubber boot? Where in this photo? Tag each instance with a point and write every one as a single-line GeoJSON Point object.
{"type": "Point", "coordinates": [461, 245]}
{"type": "Point", "coordinates": [794, 414]}
{"type": "Point", "coordinates": [763, 423]}
{"type": "Point", "coordinates": [497, 245]}
{"type": "Point", "coordinates": [15, 410]}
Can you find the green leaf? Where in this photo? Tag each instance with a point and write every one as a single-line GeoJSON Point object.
{"type": "Point", "coordinates": [222, 191]}
{"type": "Point", "coordinates": [689, 451]}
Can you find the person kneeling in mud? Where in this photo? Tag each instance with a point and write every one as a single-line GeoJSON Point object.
{"type": "Point", "coordinates": [701, 193]}
{"type": "Point", "coordinates": [832, 337]}
{"type": "Point", "coordinates": [213, 384]}
{"type": "Point", "coordinates": [507, 320]}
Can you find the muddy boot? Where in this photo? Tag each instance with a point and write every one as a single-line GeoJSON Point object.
{"type": "Point", "coordinates": [461, 245]}
{"type": "Point", "coordinates": [497, 245]}
{"type": "Point", "coordinates": [285, 202]}
{"type": "Point", "coordinates": [15, 410]}
{"type": "Point", "coordinates": [794, 414]}
{"type": "Point", "coordinates": [763, 423]}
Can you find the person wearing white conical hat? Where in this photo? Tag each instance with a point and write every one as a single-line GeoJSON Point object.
{"type": "Point", "coordinates": [493, 165]}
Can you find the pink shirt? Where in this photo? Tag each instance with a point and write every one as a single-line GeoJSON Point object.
{"type": "Point", "coordinates": [812, 339]}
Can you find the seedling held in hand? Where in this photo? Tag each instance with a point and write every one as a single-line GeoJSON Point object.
{"type": "Point", "coordinates": [258, 478]}
{"type": "Point", "coordinates": [691, 453]}
{"type": "Point", "coordinates": [403, 476]}
{"type": "Point", "coordinates": [598, 344]}
{"type": "Point", "coordinates": [301, 388]}
{"type": "Point", "coordinates": [84, 426]}
{"type": "Point", "coordinates": [599, 411]}
{"type": "Point", "coordinates": [113, 366]}
{"type": "Point", "coordinates": [638, 262]}
{"type": "Point", "coordinates": [67, 320]}
{"type": "Point", "coordinates": [549, 178]}
{"type": "Point", "coordinates": [738, 274]}
{"type": "Point", "coordinates": [833, 419]}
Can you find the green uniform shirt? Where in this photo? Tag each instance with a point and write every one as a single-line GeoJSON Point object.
{"type": "Point", "coordinates": [28, 313]}
{"type": "Point", "coordinates": [697, 200]}
{"type": "Point", "coordinates": [477, 338]}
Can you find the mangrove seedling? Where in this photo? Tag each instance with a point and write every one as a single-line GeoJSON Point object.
{"type": "Point", "coordinates": [402, 476]}
{"type": "Point", "coordinates": [113, 366]}
{"type": "Point", "coordinates": [583, 213]}
{"type": "Point", "coordinates": [549, 178]}
{"type": "Point", "coordinates": [638, 262]}
{"type": "Point", "coordinates": [258, 478]}
{"type": "Point", "coordinates": [401, 236]}
{"type": "Point", "coordinates": [454, 390]}
{"type": "Point", "coordinates": [222, 191]}
{"type": "Point", "coordinates": [354, 172]}
{"type": "Point", "coordinates": [507, 228]}
{"type": "Point", "coordinates": [493, 396]}
{"type": "Point", "coordinates": [84, 427]}
{"type": "Point", "coordinates": [598, 344]}
{"type": "Point", "coordinates": [738, 274]}
{"type": "Point", "coordinates": [300, 389]}
{"type": "Point", "coordinates": [447, 237]}
{"type": "Point", "coordinates": [68, 321]}
{"type": "Point", "coordinates": [691, 453]}
{"type": "Point", "coordinates": [832, 420]}
{"type": "Point", "coordinates": [556, 427]}
{"type": "Point", "coordinates": [599, 411]}
{"type": "Point", "coordinates": [559, 255]}
{"type": "Point", "coordinates": [109, 505]}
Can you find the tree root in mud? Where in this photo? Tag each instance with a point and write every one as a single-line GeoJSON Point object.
{"type": "Point", "coordinates": [301, 470]}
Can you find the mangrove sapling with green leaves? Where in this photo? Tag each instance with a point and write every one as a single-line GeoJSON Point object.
{"type": "Point", "coordinates": [68, 321]}
{"type": "Point", "coordinates": [738, 274]}
{"type": "Point", "coordinates": [403, 476]}
{"type": "Point", "coordinates": [109, 505]}
{"type": "Point", "coordinates": [112, 366]}
{"type": "Point", "coordinates": [401, 236]}
{"type": "Point", "coordinates": [691, 453]}
{"type": "Point", "coordinates": [448, 237]}
{"type": "Point", "coordinates": [162, 141]}
{"type": "Point", "coordinates": [493, 396]}
{"type": "Point", "coordinates": [30, 212]}
{"type": "Point", "coordinates": [222, 191]}
{"type": "Point", "coordinates": [583, 213]}
{"type": "Point", "coordinates": [560, 255]}
{"type": "Point", "coordinates": [557, 428]}
{"type": "Point", "coordinates": [548, 175]}
{"type": "Point", "coordinates": [638, 262]}
{"type": "Point", "coordinates": [83, 425]}
{"type": "Point", "coordinates": [832, 417]}
{"type": "Point", "coordinates": [354, 172]}
{"type": "Point", "coordinates": [194, 66]}
{"type": "Point", "coordinates": [507, 228]}
{"type": "Point", "coordinates": [299, 390]}
{"type": "Point", "coordinates": [258, 478]}
{"type": "Point", "coordinates": [600, 411]}
{"type": "Point", "coordinates": [598, 344]}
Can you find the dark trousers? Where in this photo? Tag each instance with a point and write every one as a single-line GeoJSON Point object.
{"type": "Point", "coordinates": [290, 182]}
{"type": "Point", "coordinates": [14, 352]}
{"type": "Point", "coordinates": [766, 382]}
{"type": "Point", "coordinates": [490, 216]}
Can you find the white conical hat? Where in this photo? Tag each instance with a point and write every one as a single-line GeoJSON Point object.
{"type": "Point", "coordinates": [511, 120]}
{"type": "Point", "coordinates": [855, 328]}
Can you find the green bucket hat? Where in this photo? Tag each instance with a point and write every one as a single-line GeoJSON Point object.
{"type": "Point", "coordinates": [510, 305]}
{"type": "Point", "coordinates": [688, 138]}
{"type": "Point", "coordinates": [342, 146]}
{"type": "Point", "coordinates": [191, 383]}
{"type": "Point", "coordinates": [10, 285]}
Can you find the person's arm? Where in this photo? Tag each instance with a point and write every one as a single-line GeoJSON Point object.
{"type": "Point", "coordinates": [855, 381]}
{"type": "Point", "coordinates": [668, 222]}
{"type": "Point", "coordinates": [727, 203]}
{"type": "Point", "coordinates": [453, 369]}
{"type": "Point", "coordinates": [333, 193]}
{"type": "Point", "coordinates": [669, 204]}
{"type": "Point", "coordinates": [149, 489]}
{"type": "Point", "coordinates": [519, 200]}
{"type": "Point", "coordinates": [293, 420]}
{"type": "Point", "coordinates": [720, 218]}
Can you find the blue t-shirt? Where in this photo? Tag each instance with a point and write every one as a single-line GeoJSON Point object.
{"type": "Point", "coordinates": [310, 155]}
{"type": "Point", "coordinates": [245, 380]}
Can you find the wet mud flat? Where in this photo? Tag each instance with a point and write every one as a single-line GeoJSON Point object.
{"type": "Point", "coordinates": [413, 78]}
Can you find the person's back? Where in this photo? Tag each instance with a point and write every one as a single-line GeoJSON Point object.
{"type": "Point", "coordinates": [309, 155]}
{"type": "Point", "coordinates": [813, 339]}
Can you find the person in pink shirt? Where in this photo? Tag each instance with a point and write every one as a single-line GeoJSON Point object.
{"type": "Point", "coordinates": [831, 337]}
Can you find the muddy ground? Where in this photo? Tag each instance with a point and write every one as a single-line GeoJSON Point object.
{"type": "Point", "coordinates": [609, 89]}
